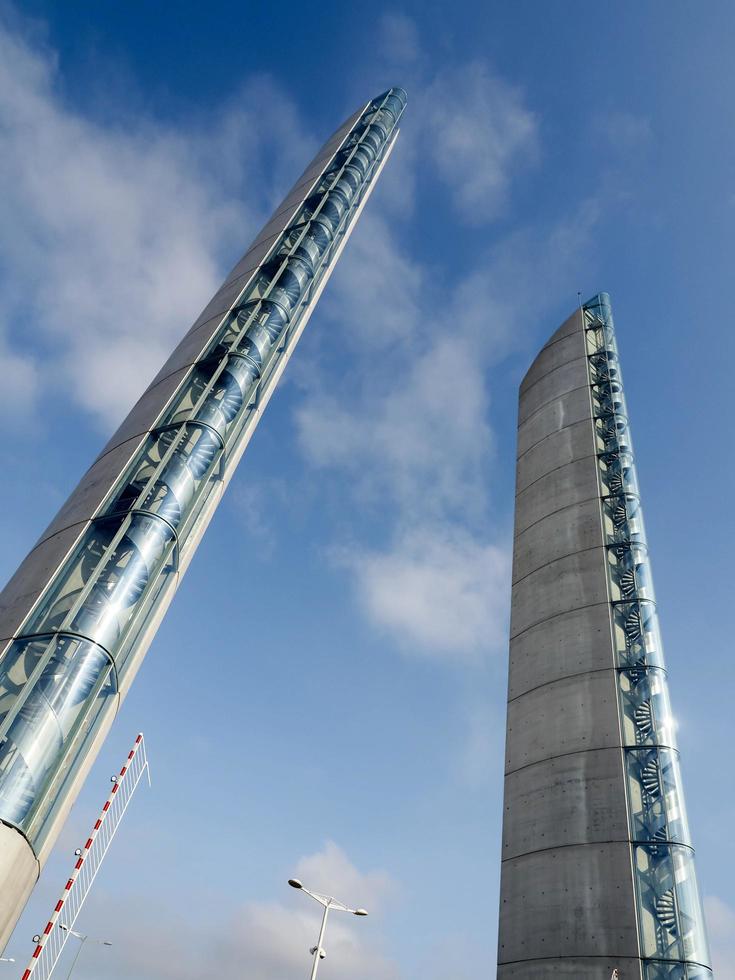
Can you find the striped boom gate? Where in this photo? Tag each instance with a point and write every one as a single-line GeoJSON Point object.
{"type": "Point", "coordinates": [51, 942]}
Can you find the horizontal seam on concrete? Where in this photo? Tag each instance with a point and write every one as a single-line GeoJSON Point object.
{"type": "Point", "coordinates": [555, 470]}
{"type": "Point", "coordinates": [570, 425]}
{"type": "Point", "coordinates": [573, 360]}
{"type": "Point", "coordinates": [578, 673]}
{"type": "Point", "coordinates": [198, 325]}
{"type": "Point", "coordinates": [557, 340]}
{"type": "Point", "coordinates": [562, 755]}
{"type": "Point", "coordinates": [60, 530]}
{"type": "Point", "coordinates": [136, 435]}
{"type": "Point", "coordinates": [249, 272]}
{"type": "Point", "coordinates": [577, 329]}
{"type": "Point", "coordinates": [546, 762]}
{"type": "Point", "coordinates": [545, 404]}
{"type": "Point", "coordinates": [214, 319]}
{"type": "Point", "coordinates": [579, 551]}
{"type": "Point", "coordinates": [568, 336]}
{"type": "Point", "coordinates": [576, 503]}
{"type": "Point", "coordinates": [558, 847]}
{"type": "Point", "coordinates": [547, 619]}
{"type": "Point", "coordinates": [586, 956]}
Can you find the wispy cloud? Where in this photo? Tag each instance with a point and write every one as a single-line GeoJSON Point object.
{"type": "Point", "coordinates": [478, 132]}
{"type": "Point", "coordinates": [399, 38]}
{"type": "Point", "coordinates": [409, 426]}
{"type": "Point", "coordinates": [625, 133]}
{"type": "Point", "coordinates": [266, 940]}
{"type": "Point", "coordinates": [439, 590]}
{"type": "Point", "coordinates": [114, 236]}
{"type": "Point", "coordinates": [416, 437]}
{"type": "Point", "coordinates": [469, 128]}
{"type": "Point", "coordinates": [721, 923]}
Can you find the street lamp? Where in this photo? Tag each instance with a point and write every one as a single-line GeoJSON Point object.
{"type": "Point", "coordinates": [328, 903]}
{"type": "Point", "coordinates": [6, 959]}
{"type": "Point", "coordinates": [83, 940]}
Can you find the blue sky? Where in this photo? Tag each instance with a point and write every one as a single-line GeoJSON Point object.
{"type": "Point", "coordinates": [326, 696]}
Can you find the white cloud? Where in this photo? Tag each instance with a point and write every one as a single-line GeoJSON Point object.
{"type": "Point", "coordinates": [114, 235]}
{"type": "Point", "coordinates": [252, 505]}
{"type": "Point", "coordinates": [20, 384]}
{"type": "Point", "coordinates": [480, 761]}
{"type": "Point", "coordinates": [330, 871]}
{"type": "Point", "coordinates": [409, 427]}
{"type": "Point", "coordinates": [417, 439]}
{"type": "Point", "coordinates": [407, 424]}
{"type": "Point", "coordinates": [376, 291]}
{"type": "Point", "coordinates": [464, 124]}
{"type": "Point", "coordinates": [478, 132]}
{"type": "Point", "coordinates": [266, 940]}
{"type": "Point", "coordinates": [721, 925]}
{"type": "Point", "coordinates": [399, 38]}
{"type": "Point", "coordinates": [626, 133]}
{"type": "Point", "coordinates": [439, 590]}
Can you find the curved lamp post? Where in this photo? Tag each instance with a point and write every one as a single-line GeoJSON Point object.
{"type": "Point", "coordinates": [83, 940]}
{"type": "Point", "coordinates": [327, 903]}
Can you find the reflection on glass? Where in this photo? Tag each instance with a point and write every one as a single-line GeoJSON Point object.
{"type": "Point", "coordinates": [629, 570]}
{"type": "Point", "coordinates": [670, 912]}
{"type": "Point", "coordinates": [623, 519]}
{"type": "Point", "coordinates": [636, 634]}
{"type": "Point", "coordinates": [98, 591]}
{"type": "Point", "coordinates": [646, 714]}
{"type": "Point", "coordinates": [656, 970]}
{"type": "Point", "coordinates": [656, 804]}
{"type": "Point", "coordinates": [612, 433]}
{"type": "Point", "coordinates": [670, 917]}
{"type": "Point", "coordinates": [48, 686]}
{"type": "Point", "coordinates": [617, 473]}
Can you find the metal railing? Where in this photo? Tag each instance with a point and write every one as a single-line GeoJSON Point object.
{"type": "Point", "coordinates": [50, 943]}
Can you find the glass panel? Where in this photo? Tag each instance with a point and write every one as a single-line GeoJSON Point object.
{"type": "Point", "coordinates": [599, 337]}
{"type": "Point", "coordinates": [617, 474]}
{"type": "Point", "coordinates": [669, 913]}
{"type": "Point", "coordinates": [283, 280]}
{"type": "Point", "coordinates": [691, 916]}
{"type": "Point", "coordinates": [265, 324]}
{"type": "Point", "coordinates": [646, 712]}
{"type": "Point", "coordinates": [623, 519]}
{"type": "Point", "coordinates": [173, 466]}
{"type": "Point", "coordinates": [344, 175]}
{"type": "Point", "coordinates": [99, 590]}
{"type": "Point", "coordinates": [636, 634]}
{"type": "Point", "coordinates": [604, 367]}
{"type": "Point", "coordinates": [608, 399]}
{"type": "Point", "coordinates": [629, 572]}
{"type": "Point", "coordinates": [307, 242]}
{"type": "Point", "coordinates": [48, 687]}
{"type": "Point", "coordinates": [655, 970]}
{"type": "Point", "coordinates": [672, 924]}
{"type": "Point", "coordinates": [612, 434]}
{"type": "Point", "coordinates": [656, 800]}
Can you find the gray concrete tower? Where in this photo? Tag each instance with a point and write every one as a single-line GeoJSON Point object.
{"type": "Point", "coordinates": [597, 864]}
{"type": "Point", "coordinates": [78, 616]}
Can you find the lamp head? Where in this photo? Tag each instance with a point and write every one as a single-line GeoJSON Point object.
{"type": "Point", "coordinates": [360, 911]}
{"type": "Point", "coordinates": [295, 883]}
